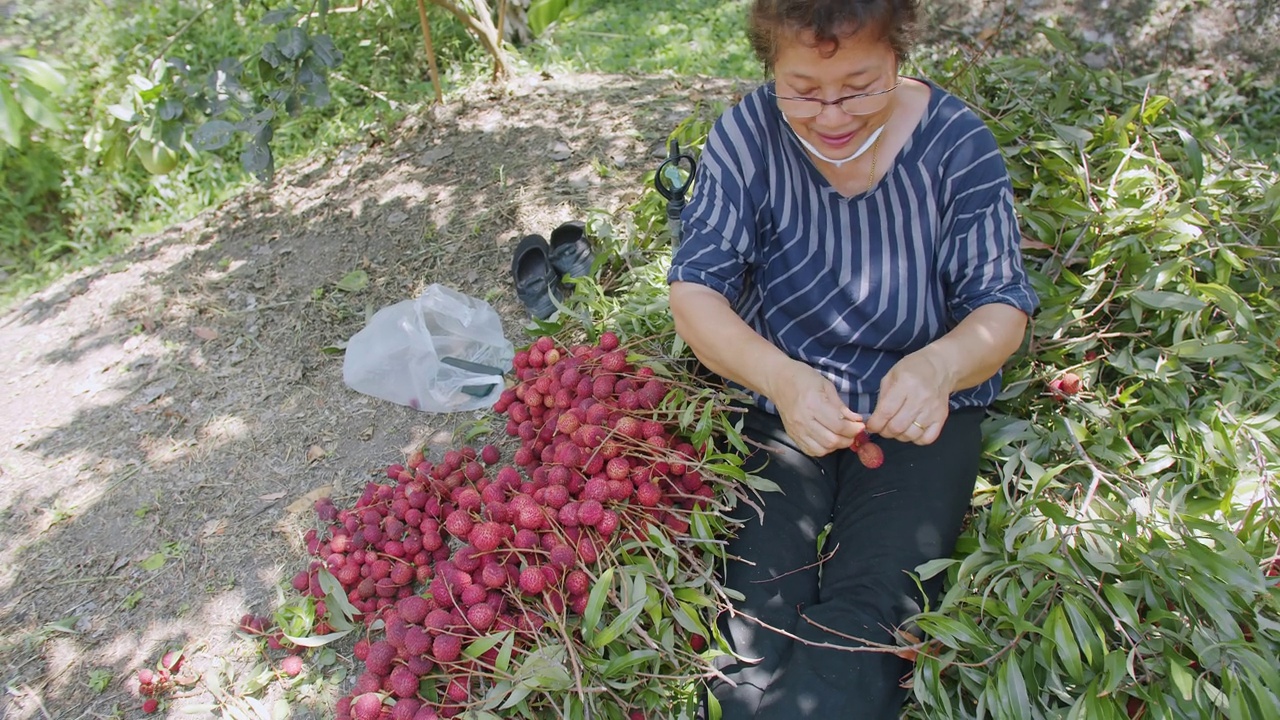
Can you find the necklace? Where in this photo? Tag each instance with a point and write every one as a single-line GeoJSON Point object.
{"type": "Point", "coordinates": [871, 179]}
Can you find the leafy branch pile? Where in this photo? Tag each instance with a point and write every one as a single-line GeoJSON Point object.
{"type": "Point", "coordinates": [575, 582]}
{"type": "Point", "coordinates": [1124, 555]}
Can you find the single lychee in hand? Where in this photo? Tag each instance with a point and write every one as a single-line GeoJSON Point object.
{"type": "Point", "coordinates": [871, 455]}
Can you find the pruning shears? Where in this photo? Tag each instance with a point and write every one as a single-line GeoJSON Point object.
{"type": "Point", "coordinates": [672, 181]}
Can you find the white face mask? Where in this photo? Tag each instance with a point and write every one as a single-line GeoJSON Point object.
{"type": "Point", "coordinates": [860, 151]}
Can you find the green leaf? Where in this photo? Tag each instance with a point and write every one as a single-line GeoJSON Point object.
{"type": "Point", "coordinates": [1074, 135]}
{"type": "Point", "coordinates": [354, 281]}
{"type": "Point", "coordinates": [279, 16]}
{"type": "Point", "coordinates": [1182, 679]}
{"type": "Point", "coordinates": [325, 51]}
{"type": "Point", "coordinates": [336, 597]}
{"type": "Point", "coordinates": [213, 135]}
{"type": "Point", "coordinates": [625, 662]}
{"type": "Point", "coordinates": [503, 663]}
{"type": "Point", "coordinates": [154, 562]}
{"type": "Point", "coordinates": [1195, 158]}
{"type": "Point", "coordinates": [11, 117]}
{"type": "Point", "coordinates": [1064, 643]}
{"type": "Point", "coordinates": [313, 641]}
{"type": "Point", "coordinates": [755, 482]}
{"type": "Point", "coordinates": [595, 604]}
{"type": "Point", "coordinates": [292, 42]}
{"type": "Point", "coordinates": [1015, 688]}
{"type": "Point", "coordinates": [480, 646]}
{"type": "Point", "coordinates": [1200, 350]}
{"type": "Point", "coordinates": [40, 73]}
{"type": "Point", "coordinates": [934, 567]}
{"type": "Point", "coordinates": [620, 624]}
{"type": "Point", "coordinates": [1166, 300]}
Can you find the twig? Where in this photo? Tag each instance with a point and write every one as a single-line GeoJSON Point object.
{"type": "Point", "coordinates": [381, 96]}
{"type": "Point", "coordinates": [819, 563]}
{"type": "Point", "coordinates": [502, 21]}
{"type": "Point", "coordinates": [868, 645]}
{"type": "Point", "coordinates": [1133, 641]}
{"type": "Point", "coordinates": [174, 37]}
{"type": "Point", "coordinates": [1000, 26]}
{"type": "Point", "coordinates": [1098, 476]}
{"type": "Point", "coordinates": [431, 53]}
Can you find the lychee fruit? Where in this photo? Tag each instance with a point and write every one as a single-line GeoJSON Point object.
{"type": "Point", "coordinates": [403, 683]}
{"type": "Point", "coordinates": [532, 580]}
{"type": "Point", "coordinates": [366, 707]}
{"type": "Point", "coordinates": [291, 666]}
{"type": "Point", "coordinates": [1070, 384]}
{"type": "Point", "coordinates": [447, 648]}
{"type": "Point", "coordinates": [486, 536]}
{"type": "Point", "coordinates": [150, 705]}
{"type": "Point", "coordinates": [871, 455]}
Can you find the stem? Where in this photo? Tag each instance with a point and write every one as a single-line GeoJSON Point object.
{"type": "Point", "coordinates": [502, 21]}
{"type": "Point", "coordinates": [431, 53]}
{"type": "Point", "coordinates": [481, 25]}
{"type": "Point", "coordinates": [174, 37]}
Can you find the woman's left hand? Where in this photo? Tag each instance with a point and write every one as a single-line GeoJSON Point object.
{"type": "Point", "coordinates": [914, 399]}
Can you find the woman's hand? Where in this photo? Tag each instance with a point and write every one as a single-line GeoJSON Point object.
{"type": "Point", "coordinates": [814, 416]}
{"type": "Point", "coordinates": [914, 399]}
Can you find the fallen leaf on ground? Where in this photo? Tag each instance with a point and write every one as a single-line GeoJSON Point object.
{"type": "Point", "coordinates": [308, 501]}
{"type": "Point", "coordinates": [316, 453]}
{"type": "Point", "coordinates": [205, 333]}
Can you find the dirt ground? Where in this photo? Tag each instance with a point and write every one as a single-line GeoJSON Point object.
{"type": "Point", "coordinates": [179, 402]}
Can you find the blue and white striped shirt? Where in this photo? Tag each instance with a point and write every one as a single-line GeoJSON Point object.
{"type": "Point", "coordinates": [851, 285]}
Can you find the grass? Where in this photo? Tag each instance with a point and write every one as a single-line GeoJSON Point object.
{"type": "Point", "coordinates": [695, 37]}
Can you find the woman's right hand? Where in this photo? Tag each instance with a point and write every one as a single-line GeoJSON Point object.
{"type": "Point", "coordinates": [812, 412]}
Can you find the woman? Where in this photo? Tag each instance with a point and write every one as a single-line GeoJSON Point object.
{"type": "Point", "coordinates": [850, 257]}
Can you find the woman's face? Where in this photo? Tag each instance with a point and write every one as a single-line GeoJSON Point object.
{"type": "Point", "coordinates": [864, 63]}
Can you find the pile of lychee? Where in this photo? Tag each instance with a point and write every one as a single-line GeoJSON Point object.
{"type": "Point", "coordinates": [152, 684]}
{"type": "Point", "coordinates": [459, 549]}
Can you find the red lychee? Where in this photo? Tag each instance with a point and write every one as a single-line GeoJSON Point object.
{"type": "Point", "coordinates": [291, 665]}
{"type": "Point", "coordinates": [481, 617]}
{"type": "Point", "coordinates": [1070, 384]}
{"type": "Point", "coordinates": [871, 455]}
{"type": "Point", "coordinates": [403, 683]}
{"type": "Point", "coordinates": [150, 705]}
{"type": "Point", "coordinates": [486, 537]}
{"type": "Point", "coordinates": [447, 648]}
{"type": "Point", "coordinates": [532, 581]}
{"type": "Point", "coordinates": [366, 707]}
{"type": "Point", "coordinates": [648, 494]}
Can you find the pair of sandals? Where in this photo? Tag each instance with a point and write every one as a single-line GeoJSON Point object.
{"type": "Point", "coordinates": [538, 265]}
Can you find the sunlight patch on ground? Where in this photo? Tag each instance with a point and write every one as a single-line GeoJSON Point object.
{"type": "Point", "coordinates": [224, 429]}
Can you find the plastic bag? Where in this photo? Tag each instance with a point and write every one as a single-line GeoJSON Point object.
{"type": "Point", "coordinates": [441, 352]}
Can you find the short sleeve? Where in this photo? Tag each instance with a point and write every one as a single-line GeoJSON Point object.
{"type": "Point", "coordinates": [981, 257]}
{"type": "Point", "coordinates": [718, 227]}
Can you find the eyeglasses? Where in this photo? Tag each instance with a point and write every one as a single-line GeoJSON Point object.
{"type": "Point", "coordinates": [861, 104]}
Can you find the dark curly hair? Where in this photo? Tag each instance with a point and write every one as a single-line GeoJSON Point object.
{"type": "Point", "coordinates": [830, 21]}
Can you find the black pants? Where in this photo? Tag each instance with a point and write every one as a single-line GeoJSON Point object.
{"type": "Point", "coordinates": [885, 522]}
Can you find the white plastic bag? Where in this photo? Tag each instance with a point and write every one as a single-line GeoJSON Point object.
{"type": "Point", "coordinates": [403, 355]}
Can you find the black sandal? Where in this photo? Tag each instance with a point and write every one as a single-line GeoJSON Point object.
{"type": "Point", "coordinates": [570, 251]}
{"type": "Point", "coordinates": [535, 277]}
